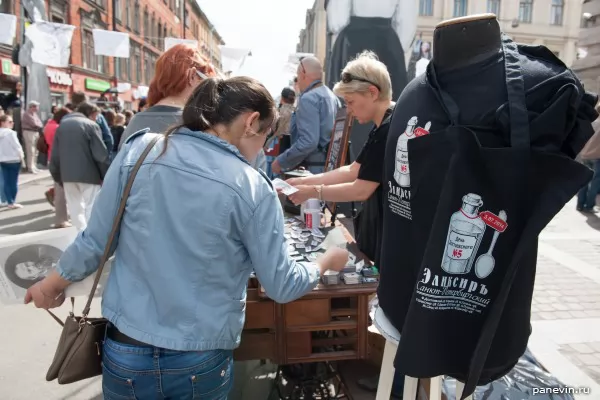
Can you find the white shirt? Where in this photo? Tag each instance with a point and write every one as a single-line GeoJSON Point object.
{"type": "Point", "coordinates": [421, 66]}
{"type": "Point", "coordinates": [404, 15]}
{"type": "Point", "coordinates": [10, 148]}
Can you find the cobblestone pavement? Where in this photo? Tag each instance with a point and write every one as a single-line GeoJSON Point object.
{"type": "Point", "coordinates": [566, 303]}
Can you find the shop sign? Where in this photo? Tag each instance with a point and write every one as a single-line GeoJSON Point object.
{"type": "Point", "coordinates": [59, 77]}
{"type": "Point", "coordinates": [8, 68]}
{"type": "Point", "coordinates": [96, 85]}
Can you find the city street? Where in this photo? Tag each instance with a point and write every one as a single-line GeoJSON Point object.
{"type": "Point", "coordinates": [565, 318]}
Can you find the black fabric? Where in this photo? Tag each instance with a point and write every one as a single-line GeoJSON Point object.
{"type": "Point", "coordinates": [367, 223]}
{"type": "Point", "coordinates": [455, 317]}
{"type": "Point", "coordinates": [116, 132]}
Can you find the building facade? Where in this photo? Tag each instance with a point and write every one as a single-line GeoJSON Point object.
{"type": "Point", "coordinates": [147, 22]}
{"type": "Point", "coordinates": [312, 38]}
{"type": "Point", "coordinates": [552, 23]}
{"type": "Point", "coordinates": [587, 65]}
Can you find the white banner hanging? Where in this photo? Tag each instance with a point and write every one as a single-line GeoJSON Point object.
{"type": "Point", "coordinates": [51, 43]}
{"type": "Point", "coordinates": [8, 22]}
{"type": "Point", "coordinates": [111, 43]}
{"type": "Point", "coordinates": [171, 41]}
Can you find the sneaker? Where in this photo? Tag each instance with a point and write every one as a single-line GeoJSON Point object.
{"type": "Point", "coordinates": [2, 205]}
{"type": "Point", "coordinates": [14, 206]}
{"type": "Point", "coordinates": [50, 196]}
{"type": "Point", "coordinates": [61, 226]}
{"type": "Point", "coordinates": [589, 210]}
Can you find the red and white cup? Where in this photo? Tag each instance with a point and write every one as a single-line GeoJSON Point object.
{"type": "Point", "coordinates": [312, 218]}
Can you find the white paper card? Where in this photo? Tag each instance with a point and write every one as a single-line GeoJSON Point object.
{"type": "Point", "coordinates": [8, 22]}
{"type": "Point", "coordinates": [284, 187]}
{"type": "Point", "coordinates": [51, 43]}
{"type": "Point", "coordinates": [110, 43]}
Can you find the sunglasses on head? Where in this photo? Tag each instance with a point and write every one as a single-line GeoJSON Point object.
{"type": "Point", "coordinates": [347, 78]}
{"type": "Point", "coordinates": [302, 65]}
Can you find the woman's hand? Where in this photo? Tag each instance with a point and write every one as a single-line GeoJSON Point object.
{"type": "Point", "coordinates": [334, 259]}
{"type": "Point", "coordinates": [304, 193]}
{"type": "Point", "coordinates": [295, 181]}
{"type": "Point", "coordinates": [44, 295]}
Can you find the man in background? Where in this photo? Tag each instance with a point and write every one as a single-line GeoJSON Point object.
{"type": "Point", "coordinates": [286, 109]}
{"type": "Point", "coordinates": [310, 129]}
{"type": "Point", "coordinates": [79, 161]}
{"type": "Point", "coordinates": [31, 124]}
{"type": "Point", "coordinates": [107, 139]}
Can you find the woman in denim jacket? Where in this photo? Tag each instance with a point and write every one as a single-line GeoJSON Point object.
{"type": "Point", "coordinates": [198, 221]}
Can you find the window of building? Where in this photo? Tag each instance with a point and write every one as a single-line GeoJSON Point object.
{"type": "Point", "coordinates": [6, 7]}
{"type": "Point", "coordinates": [127, 21]}
{"type": "Point", "coordinates": [153, 30]}
{"type": "Point", "coordinates": [136, 17]}
{"type": "Point", "coordinates": [526, 11]}
{"type": "Point", "coordinates": [118, 10]}
{"type": "Point", "coordinates": [89, 21]}
{"type": "Point", "coordinates": [123, 68]}
{"type": "Point", "coordinates": [426, 7]}
{"type": "Point", "coordinates": [493, 6]}
{"type": "Point", "coordinates": [187, 18]}
{"type": "Point", "coordinates": [159, 33]}
{"type": "Point", "coordinates": [165, 31]}
{"type": "Point", "coordinates": [460, 8]}
{"type": "Point", "coordinates": [146, 25]}
{"type": "Point", "coordinates": [147, 67]}
{"type": "Point", "coordinates": [137, 63]}
{"type": "Point", "coordinates": [556, 12]}
{"type": "Point", "coordinates": [58, 11]}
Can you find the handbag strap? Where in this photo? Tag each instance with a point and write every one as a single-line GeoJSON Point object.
{"type": "Point", "coordinates": [117, 222]}
{"type": "Point", "coordinates": [114, 230]}
{"type": "Point", "coordinates": [515, 90]}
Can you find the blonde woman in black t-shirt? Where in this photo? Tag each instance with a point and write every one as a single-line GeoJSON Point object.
{"type": "Point", "coordinates": [367, 90]}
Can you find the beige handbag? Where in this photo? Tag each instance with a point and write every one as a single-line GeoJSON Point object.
{"type": "Point", "coordinates": [79, 352]}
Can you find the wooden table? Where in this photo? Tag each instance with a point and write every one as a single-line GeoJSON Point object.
{"type": "Point", "coordinates": [328, 324]}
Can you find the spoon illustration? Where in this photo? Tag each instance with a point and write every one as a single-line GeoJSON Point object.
{"type": "Point", "coordinates": [485, 263]}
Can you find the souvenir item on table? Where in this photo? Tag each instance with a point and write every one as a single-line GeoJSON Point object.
{"type": "Point", "coordinates": [312, 218]}
{"type": "Point", "coordinates": [331, 278]}
{"type": "Point", "coordinates": [466, 202]}
{"type": "Point", "coordinates": [352, 278]}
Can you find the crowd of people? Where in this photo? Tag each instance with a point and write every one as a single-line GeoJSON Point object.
{"type": "Point", "coordinates": [201, 215]}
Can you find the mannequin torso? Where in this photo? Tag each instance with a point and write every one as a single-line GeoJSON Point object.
{"type": "Point", "coordinates": [464, 41]}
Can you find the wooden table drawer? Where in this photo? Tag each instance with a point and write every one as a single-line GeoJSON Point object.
{"type": "Point", "coordinates": [260, 315]}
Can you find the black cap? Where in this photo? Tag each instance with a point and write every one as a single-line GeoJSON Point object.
{"type": "Point", "coordinates": [288, 94]}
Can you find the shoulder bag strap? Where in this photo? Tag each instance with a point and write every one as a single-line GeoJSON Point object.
{"type": "Point", "coordinates": [115, 226]}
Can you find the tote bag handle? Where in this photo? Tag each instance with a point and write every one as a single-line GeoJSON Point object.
{"type": "Point", "coordinates": [515, 89]}
{"type": "Point", "coordinates": [520, 139]}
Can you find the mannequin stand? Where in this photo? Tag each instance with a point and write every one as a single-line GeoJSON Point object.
{"type": "Point", "coordinates": [386, 376]}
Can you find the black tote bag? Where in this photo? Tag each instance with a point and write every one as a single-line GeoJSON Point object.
{"type": "Point", "coordinates": [483, 205]}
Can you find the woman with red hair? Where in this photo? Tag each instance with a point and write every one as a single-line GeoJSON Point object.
{"type": "Point", "coordinates": [177, 73]}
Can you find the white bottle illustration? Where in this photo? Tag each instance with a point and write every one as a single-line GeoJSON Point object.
{"type": "Point", "coordinates": [464, 236]}
{"type": "Point", "coordinates": [402, 171]}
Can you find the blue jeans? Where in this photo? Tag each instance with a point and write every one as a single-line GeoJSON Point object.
{"type": "Point", "coordinates": [2, 197]}
{"type": "Point", "coordinates": [586, 198]}
{"type": "Point", "coordinates": [10, 175]}
{"type": "Point", "coordinates": [151, 373]}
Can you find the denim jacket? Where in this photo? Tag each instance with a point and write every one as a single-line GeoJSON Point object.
{"type": "Point", "coordinates": [310, 125]}
{"type": "Point", "coordinates": [199, 219]}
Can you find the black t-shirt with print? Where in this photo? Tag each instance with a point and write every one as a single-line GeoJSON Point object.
{"type": "Point", "coordinates": [418, 112]}
{"type": "Point", "coordinates": [368, 227]}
